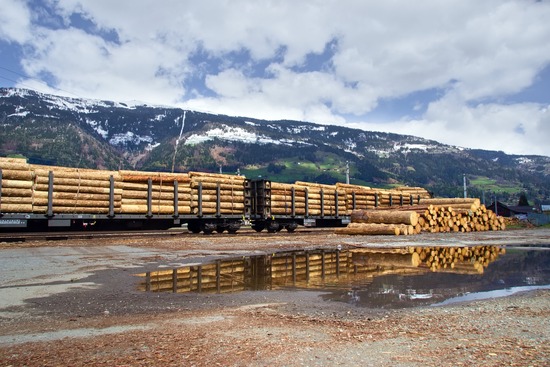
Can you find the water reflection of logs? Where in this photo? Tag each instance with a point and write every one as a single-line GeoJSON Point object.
{"type": "Point", "coordinates": [461, 259]}
{"type": "Point", "coordinates": [315, 268]}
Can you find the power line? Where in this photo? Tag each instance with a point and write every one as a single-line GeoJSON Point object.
{"type": "Point", "coordinates": [32, 78]}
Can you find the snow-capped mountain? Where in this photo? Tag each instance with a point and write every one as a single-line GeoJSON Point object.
{"type": "Point", "coordinates": [91, 133]}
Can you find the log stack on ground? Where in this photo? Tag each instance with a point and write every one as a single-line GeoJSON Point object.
{"type": "Point", "coordinates": [455, 215]}
{"type": "Point", "coordinates": [381, 222]}
{"type": "Point", "coordinates": [430, 215]}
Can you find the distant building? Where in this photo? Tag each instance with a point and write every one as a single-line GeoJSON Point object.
{"type": "Point", "coordinates": [511, 211]}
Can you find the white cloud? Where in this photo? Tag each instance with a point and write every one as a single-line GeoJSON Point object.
{"type": "Point", "coordinates": [317, 60]}
{"type": "Point", "coordinates": [522, 128]}
{"type": "Point", "coordinates": [14, 21]}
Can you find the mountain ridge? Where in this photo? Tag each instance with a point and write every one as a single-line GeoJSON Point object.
{"type": "Point", "coordinates": [104, 134]}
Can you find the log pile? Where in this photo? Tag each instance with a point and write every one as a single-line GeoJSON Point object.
{"type": "Point", "coordinates": [25, 189]}
{"type": "Point", "coordinates": [381, 222]}
{"type": "Point", "coordinates": [362, 197]}
{"type": "Point", "coordinates": [231, 193]}
{"type": "Point", "coordinates": [431, 215]}
{"type": "Point", "coordinates": [17, 183]}
{"type": "Point", "coordinates": [321, 200]}
{"type": "Point", "coordinates": [164, 188]}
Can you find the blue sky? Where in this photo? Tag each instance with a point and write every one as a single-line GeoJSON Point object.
{"type": "Point", "coordinates": [469, 73]}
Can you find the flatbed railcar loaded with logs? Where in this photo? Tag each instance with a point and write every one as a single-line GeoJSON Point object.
{"type": "Point", "coordinates": [41, 198]}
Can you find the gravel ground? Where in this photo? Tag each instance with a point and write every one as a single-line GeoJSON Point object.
{"type": "Point", "coordinates": [76, 303]}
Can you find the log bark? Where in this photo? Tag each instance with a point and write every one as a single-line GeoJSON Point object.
{"type": "Point", "coordinates": [369, 229]}
{"type": "Point", "coordinates": [385, 216]}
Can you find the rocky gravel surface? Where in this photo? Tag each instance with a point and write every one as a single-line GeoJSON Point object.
{"type": "Point", "coordinates": [76, 303]}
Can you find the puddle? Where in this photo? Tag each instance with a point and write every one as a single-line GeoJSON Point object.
{"type": "Point", "coordinates": [376, 278]}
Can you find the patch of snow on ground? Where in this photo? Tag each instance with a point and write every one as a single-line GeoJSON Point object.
{"type": "Point", "coordinates": [122, 139]}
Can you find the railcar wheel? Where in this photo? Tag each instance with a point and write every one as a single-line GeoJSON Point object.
{"type": "Point", "coordinates": [273, 227]}
{"type": "Point", "coordinates": [258, 227]}
{"type": "Point", "coordinates": [194, 227]}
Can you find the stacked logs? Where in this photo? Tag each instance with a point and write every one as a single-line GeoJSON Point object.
{"type": "Point", "coordinates": [431, 215]}
{"type": "Point", "coordinates": [464, 260]}
{"type": "Point", "coordinates": [17, 183]}
{"type": "Point", "coordinates": [362, 197]}
{"type": "Point", "coordinates": [231, 190]}
{"type": "Point", "coordinates": [75, 190]}
{"type": "Point", "coordinates": [455, 215]}
{"type": "Point", "coordinates": [165, 188]}
{"type": "Point", "coordinates": [321, 199]}
{"type": "Point", "coordinates": [281, 199]}
{"type": "Point", "coordinates": [381, 222]}
{"type": "Point", "coordinates": [25, 189]}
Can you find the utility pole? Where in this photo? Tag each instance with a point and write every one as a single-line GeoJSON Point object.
{"type": "Point", "coordinates": [465, 190]}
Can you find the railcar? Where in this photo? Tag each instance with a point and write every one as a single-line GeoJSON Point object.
{"type": "Point", "coordinates": [49, 198]}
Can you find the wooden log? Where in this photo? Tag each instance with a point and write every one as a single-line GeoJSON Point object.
{"type": "Point", "coordinates": [16, 184]}
{"type": "Point", "coordinates": [76, 173]}
{"type": "Point", "coordinates": [12, 174]}
{"type": "Point", "coordinates": [214, 185]}
{"type": "Point", "coordinates": [72, 209]}
{"type": "Point", "coordinates": [369, 229]}
{"type": "Point", "coordinates": [82, 189]}
{"type": "Point", "coordinates": [385, 216]}
{"type": "Point", "coordinates": [74, 181]}
{"type": "Point", "coordinates": [16, 200]}
{"type": "Point", "coordinates": [450, 201]}
{"type": "Point", "coordinates": [15, 208]}
{"type": "Point", "coordinates": [12, 192]}
{"type": "Point", "coordinates": [75, 203]}
{"type": "Point", "coordinates": [156, 177]}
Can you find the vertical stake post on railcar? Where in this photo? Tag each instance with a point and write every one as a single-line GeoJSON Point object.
{"type": "Point", "coordinates": [200, 199]}
{"type": "Point", "coordinates": [149, 197]}
{"type": "Point", "coordinates": [336, 202]}
{"type": "Point", "coordinates": [376, 200]}
{"type": "Point", "coordinates": [353, 201]}
{"type": "Point", "coordinates": [111, 196]}
{"type": "Point", "coordinates": [176, 202]}
{"type": "Point", "coordinates": [411, 200]}
{"type": "Point", "coordinates": [307, 202]}
{"type": "Point", "coordinates": [293, 196]}
{"type": "Point", "coordinates": [322, 204]}
{"type": "Point", "coordinates": [400, 199]}
{"type": "Point", "coordinates": [50, 194]}
{"type": "Point", "coordinates": [0, 192]}
{"type": "Point", "coordinates": [218, 200]}
{"type": "Point", "coordinates": [391, 200]}
{"type": "Point", "coordinates": [418, 202]}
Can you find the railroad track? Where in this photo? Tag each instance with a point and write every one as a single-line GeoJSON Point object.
{"type": "Point", "coordinates": [91, 235]}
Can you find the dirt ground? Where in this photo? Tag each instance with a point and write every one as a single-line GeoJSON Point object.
{"type": "Point", "coordinates": [75, 303]}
